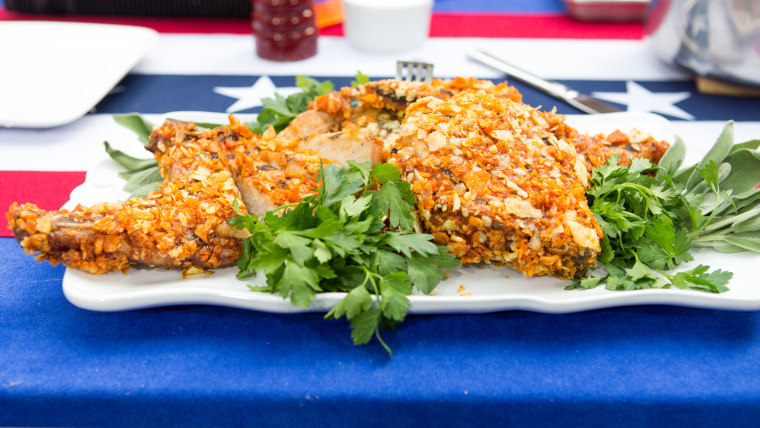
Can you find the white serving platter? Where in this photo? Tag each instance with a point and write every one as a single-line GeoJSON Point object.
{"type": "Point", "coordinates": [469, 289]}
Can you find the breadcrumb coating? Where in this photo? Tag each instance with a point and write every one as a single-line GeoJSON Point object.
{"type": "Point", "coordinates": [183, 225]}
{"type": "Point", "coordinates": [496, 180]}
{"type": "Point", "coordinates": [495, 184]}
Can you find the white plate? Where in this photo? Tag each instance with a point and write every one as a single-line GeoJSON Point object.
{"type": "Point", "coordinates": [55, 72]}
{"type": "Point", "coordinates": [468, 289]}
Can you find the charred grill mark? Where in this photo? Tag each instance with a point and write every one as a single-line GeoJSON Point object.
{"type": "Point", "coordinates": [454, 178]}
{"type": "Point", "coordinates": [497, 225]}
{"type": "Point", "coordinates": [214, 155]}
{"type": "Point", "coordinates": [401, 101]}
{"type": "Point", "coordinates": [266, 167]}
{"type": "Point", "coordinates": [335, 135]}
{"type": "Point", "coordinates": [583, 262]}
{"type": "Point", "coordinates": [282, 184]}
{"type": "Point", "coordinates": [630, 148]}
{"type": "Point", "coordinates": [394, 151]}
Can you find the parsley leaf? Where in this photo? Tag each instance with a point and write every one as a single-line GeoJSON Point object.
{"type": "Point", "coordinates": [279, 111]}
{"type": "Point", "coordinates": [360, 79]}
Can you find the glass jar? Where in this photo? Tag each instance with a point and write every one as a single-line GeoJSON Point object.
{"type": "Point", "coordinates": [284, 29]}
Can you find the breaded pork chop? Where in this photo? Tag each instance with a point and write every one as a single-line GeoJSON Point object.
{"type": "Point", "coordinates": [183, 225]}
{"type": "Point", "coordinates": [272, 170]}
{"type": "Point", "coordinates": [495, 184]}
{"type": "Point", "coordinates": [496, 180]}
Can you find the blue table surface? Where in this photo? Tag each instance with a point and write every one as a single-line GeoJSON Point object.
{"type": "Point", "coordinates": [200, 365]}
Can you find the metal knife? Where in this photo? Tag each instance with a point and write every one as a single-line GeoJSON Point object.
{"type": "Point", "coordinates": [580, 101]}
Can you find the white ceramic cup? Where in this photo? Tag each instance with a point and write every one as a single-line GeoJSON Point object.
{"type": "Point", "coordinates": [387, 25]}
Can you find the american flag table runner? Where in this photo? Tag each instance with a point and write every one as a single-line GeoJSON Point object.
{"type": "Point", "coordinates": [210, 65]}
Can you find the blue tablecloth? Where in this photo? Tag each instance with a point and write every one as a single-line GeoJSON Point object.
{"type": "Point", "coordinates": [198, 365]}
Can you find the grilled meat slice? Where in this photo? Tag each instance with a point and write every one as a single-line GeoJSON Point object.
{"type": "Point", "coordinates": [495, 184]}
{"type": "Point", "coordinates": [273, 170]}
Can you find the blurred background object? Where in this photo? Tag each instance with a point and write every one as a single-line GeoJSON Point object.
{"type": "Point", "coordinates": [607, 10]}
{"type": "Point", "coordinates": [199, 8]}
{"type": "Point", "coordinates": [330, 11]}
{"type": "Point", "coordinates": [387, 25]}
{"type": "Point", "coordinates": [716, 40]}
{"type": "Point", "coordinates": [284, 29]}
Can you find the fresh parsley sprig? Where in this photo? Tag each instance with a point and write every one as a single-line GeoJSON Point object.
{"type": "Point", "coordinates": [360, 79]}
{"type": "Point", "coordinates": [279, 111]}
{"type": "Point", "coordinates": [651, 222]}
{"type": "Point", "coordinates": [356, 235]}
{"type": "Point", "coordinates": [648, 227]}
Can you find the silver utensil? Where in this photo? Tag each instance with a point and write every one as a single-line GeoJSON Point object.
{"type": "Point", "coordinates": [412, 71]}
{"type": "Point", "coordinates": [580, 101]}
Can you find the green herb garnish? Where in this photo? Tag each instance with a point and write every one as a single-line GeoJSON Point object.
{"type": "Point", "coordinates": [279, 111]}
{"type": "Point", "coordinates": [651, 223]}
{"type": "Point", "coordinates": [338, 240]}
{"type": "Point", "coordinates": [360, 79]}
{"type": "Point", "coordinates": [136, 124]}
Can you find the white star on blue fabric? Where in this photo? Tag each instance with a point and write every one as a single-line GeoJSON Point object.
{"type": "Point", "coordinates": [640, 99]}
{"type": "Point", "coordinates": [250, 96]}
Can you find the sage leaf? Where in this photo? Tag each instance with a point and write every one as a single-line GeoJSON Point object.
{"type": "Point", "coordinates": [207, 125]}
{"type": "Point", "coordinates": [750, 224]}
{"type": "Point", "coordinates": [750, 241]}
{"type": "Point", "coordinates": [722, 147]}
{"type": "Point", "coordinates": [130, 163]}
{"type": "Point", "coordinates": [745, 176]}
{"type": "Point", "coordinates": [136, 123]}
{"type": "Point", "coordinates": [747, 145]}
{"type": "Point", "coordinates": [723, 247]}
{"type": "Point", "coordinates": [142, 192]}
{"type": "Point", "coordinates": [673, 157]}
{"type": "Point", "coordinates": [139, 179]}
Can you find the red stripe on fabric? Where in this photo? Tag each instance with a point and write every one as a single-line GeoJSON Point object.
{"type": "Point", "coordinates": [522, 26]}
{"type": "Point", "coordinates": [530, 26]}
{"type": "Point", "coordinates": [47, 189]}
{"type": "Point", "coordinates": [443, 24]}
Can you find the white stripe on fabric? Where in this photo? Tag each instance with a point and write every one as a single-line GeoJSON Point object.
{"type": "Point", "coordinates": [76, 147]}
{"type": "Point", "coordinates": [227, 54]}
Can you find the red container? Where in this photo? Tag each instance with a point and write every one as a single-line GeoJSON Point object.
{"type": "Point", "coordinates": [284, 29]}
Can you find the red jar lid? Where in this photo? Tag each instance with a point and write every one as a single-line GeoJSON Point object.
{"type": "Point", "coordinates": [283, 21]}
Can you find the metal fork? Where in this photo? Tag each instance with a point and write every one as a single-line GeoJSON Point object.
{"type": "Point", "coordinates": [413, 71]}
